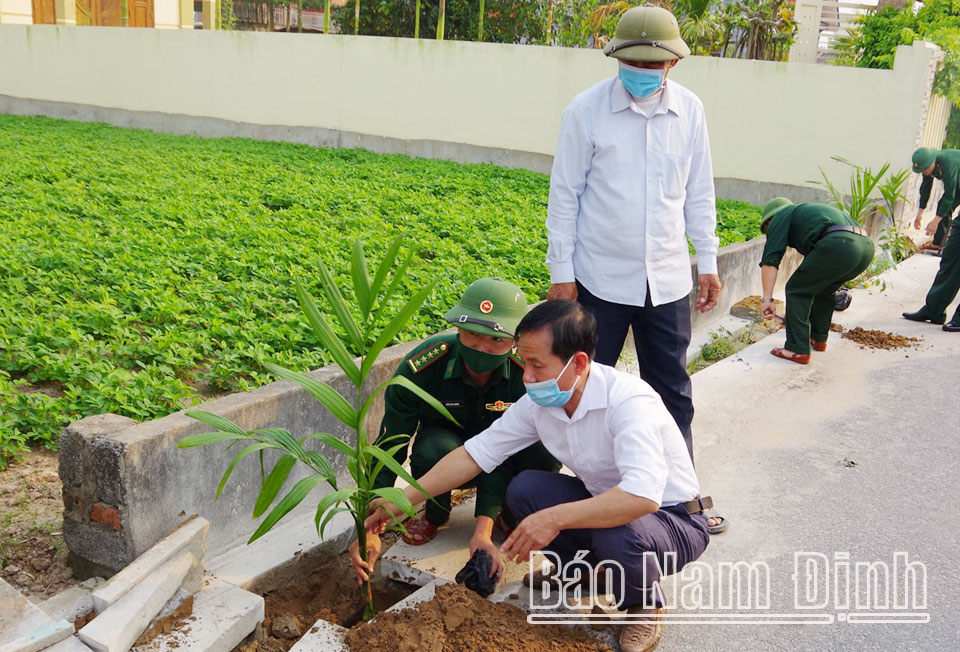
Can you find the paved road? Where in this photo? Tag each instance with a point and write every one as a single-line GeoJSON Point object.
{"type": "Point", "coordinates": [855, 453]}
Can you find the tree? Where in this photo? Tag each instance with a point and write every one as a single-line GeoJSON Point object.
{"type": "Point", "coordinates": [504, 21]}
{"type": "Point", "coordinates": [368, 337]}
{"type": "Point", "coordinates": [873, 44]}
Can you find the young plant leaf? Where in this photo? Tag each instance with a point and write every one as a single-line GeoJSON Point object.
{"type": "Point", "coordinates": [421, 393]}
{"type": "Point", "coordinates": [216, 421]}
{"type": "Point", "coordinates": [361, 281]}
{"type": "Point", "coordinates": [391, 464]}
{"type": "Point", "coordinates": [328, 339]}
{"type": "Point", "coordinates": [384, 268]}
{"type": "Point", "coordinates": [390, 330]}
{"type": "Point", "coordinates": [328, 396]}
{"type": "Point", "coordinates": [340, 307]}
{"type": "Point", "coordinates": [392, 452]}
{"type": "Point", "coordinates": [331, 499]}
{"type": "Point", "coordinates": [283, 440]}
{"type": "Point", "coordinates": [287, 503]}
{"type": "Point", "coordinates": [392, 287]}
{"type": "Point", "coordinates": [252, 448]}
{"type": "Point", "coordinates": [323, 466]}
{"type": "Point", "coordinates": [205, 438]}
{"type": "Point", "coordinates": [396, 497]}
{"type": "Point", "coordinates": [273, 484]}
{"type": "Point", "coordinates": [334, 442]}
{"type": "Point", "coordinates": [326, 519]}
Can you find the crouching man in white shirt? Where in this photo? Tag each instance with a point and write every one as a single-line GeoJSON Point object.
{"type": "Point", "coordinates": [635, 489]}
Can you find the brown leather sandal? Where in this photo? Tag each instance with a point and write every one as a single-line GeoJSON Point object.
{"type": "Point", "coordinates": [817, 345]}
{"type": "Point", "coordinates": [787, 354]}
{"type": "Point", "coordinates": [419, 526]}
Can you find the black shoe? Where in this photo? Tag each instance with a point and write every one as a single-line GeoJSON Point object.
{"type": "Point", "coordinates": [952, 326]}
{"type": "Point", "coordinates": [920, 315]}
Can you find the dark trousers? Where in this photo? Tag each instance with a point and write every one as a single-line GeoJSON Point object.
{"type": "Point", "coordinates": [837, 258]}
{"type": "Point", "coordinates": [432, 444]}
{"type": "Point", "coordinates": [661, 335]}
{"type": "Point", "coordinates": [947, 282]}
{"type": "Point", "coordinates": [668, 530]}
{"type": "Point", "coordinates": [943, 228]}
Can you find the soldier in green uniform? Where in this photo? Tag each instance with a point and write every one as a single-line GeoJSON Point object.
{"type": "Point", "coordinates": [835, 248]}
{"type": "Point", "coordinates": [944, 165]}
{"type": "Point", "coordinates": [476, 375]}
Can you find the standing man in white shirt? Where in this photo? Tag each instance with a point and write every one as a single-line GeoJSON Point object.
{"type": "Point", "coordinates": [631, 178]}
{"type": "Point", "coordinates": [635, 498]}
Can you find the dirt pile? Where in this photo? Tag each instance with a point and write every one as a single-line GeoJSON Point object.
{"type": "Point", "coordinates": [324, 590]}
{"type": "Point", "coordinates": [173, 621]}
{"type": "Point", "coordinates": [459, 620]}
{"type": "Point", "coordinates": [879, 339]}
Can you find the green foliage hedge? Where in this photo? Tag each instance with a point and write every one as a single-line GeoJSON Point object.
{"type": "Point", "coordinates": [141, 272]}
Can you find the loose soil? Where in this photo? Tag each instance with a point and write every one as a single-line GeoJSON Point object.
{"type": "Point", "coordinates": [175, 620]}
{"type": "Point", "coordinates": [749, 308]}
{"type": "Point", "coordinates": [879, 339]}
{"type": "Point", "coordinates": [458, 620]}
{"type": "Point", "coordinates": [326, 591]}
{"type": "Point", "coordinates": [33, 555]}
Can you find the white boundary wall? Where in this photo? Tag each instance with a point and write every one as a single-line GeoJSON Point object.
{"type": "Point", "coordinates": [769, 122]}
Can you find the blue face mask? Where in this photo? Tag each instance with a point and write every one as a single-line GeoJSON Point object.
{"type": "Point", "coordinates": [547, 393]}
{"type": "Point", "coordinates": [641, 82]}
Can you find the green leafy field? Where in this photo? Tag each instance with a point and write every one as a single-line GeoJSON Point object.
{"type": "Point", "coordinates": [141, 273]}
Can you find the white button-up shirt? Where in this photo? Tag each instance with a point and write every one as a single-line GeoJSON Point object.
{"type": "Point", "coordinates": [624, 191]}
{"type": "Point", "coordinates": [620, 435]}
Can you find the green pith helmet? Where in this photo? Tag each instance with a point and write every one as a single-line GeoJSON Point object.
{"type": "Point", "coordinates": [647, 34]}
{"type": "Point", "coordinates": [770, 209]}
{"type": "Point", "coordinates": [489, 306]}
{"type": "Point", "coordinates": [924, 158]}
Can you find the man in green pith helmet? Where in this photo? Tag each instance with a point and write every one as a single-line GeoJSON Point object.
{"type": "Point", "coordinates": [943, 165]}
{"type": "Point", "coordinates": [835, 248]}
{"type": "Point", "coordinates": [476, 375]}
{"type": "Point", "coordinates": [631, 181]}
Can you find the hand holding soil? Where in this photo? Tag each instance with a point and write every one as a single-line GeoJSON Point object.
{"type": "Point", "coordinates": [483, 542]}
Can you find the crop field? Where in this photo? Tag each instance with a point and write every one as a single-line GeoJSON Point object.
{"type": "Point", "coordinates": [141, 273]}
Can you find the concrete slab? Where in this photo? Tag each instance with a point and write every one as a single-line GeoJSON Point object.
{"type": "Point", "coordinates": [223, 615]}
{"type": "Point", "coordinates": [18, 616]}
{"type": "Point", "coordinates": [189, 536]}
{"type": "Point", "coordinates": [69, 644]}
{"type": "Point", "coordinates": [444, 556]}
{"type": "Point", "coordinates": [323, 637]}
{"type": "Point", "coordinates": [118, 627]}
{"type": "Point", "coordinates": [40, 638]}
{"type": "Point", "coordinates": [69, 604]}
{"type": "Point", "coordinates": [247, 566]}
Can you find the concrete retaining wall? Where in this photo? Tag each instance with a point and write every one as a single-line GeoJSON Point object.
{"type": "Point", "coordinates": [768, 121]}
{"type": "Point", "coordinates": [126, 484]}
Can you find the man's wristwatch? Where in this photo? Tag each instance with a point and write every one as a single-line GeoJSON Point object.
{"type": "Point", "coordinates": [770, 300]}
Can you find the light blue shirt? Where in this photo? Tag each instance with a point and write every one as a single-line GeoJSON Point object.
{"type": "Point", "coordinates": [625, 190]}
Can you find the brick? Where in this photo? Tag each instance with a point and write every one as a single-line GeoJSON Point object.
{"type": "Point", "coordinates": [107, 515]}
